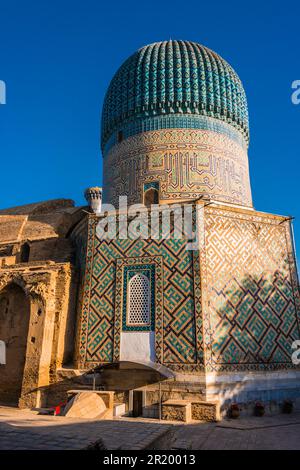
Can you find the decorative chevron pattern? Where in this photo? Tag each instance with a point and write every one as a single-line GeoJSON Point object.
{"type": "Point", "coordinates": [175, 325]}
{"type": "Point", "coordinates": [252, 314]}
{"type": "Point", "coordinates": [176, 122]}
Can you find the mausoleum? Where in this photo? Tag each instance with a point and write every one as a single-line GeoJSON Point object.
{"type": "Point", "coordinates": [210, 316]}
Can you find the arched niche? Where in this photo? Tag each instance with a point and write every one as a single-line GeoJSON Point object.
{"type": "Point", "coordinates": [151, 196]}
{"type": "Point", "coordinates": [14, 325]}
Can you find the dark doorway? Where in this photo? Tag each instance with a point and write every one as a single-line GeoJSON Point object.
{"type": "Point", "coordinates": [151, 197]}
{"type": "Point", "coordinates": [137, 409]}
{"type": "Point", "coordinates": [14, 324]}
{"type": "Point", "coordinates": [25, 253]}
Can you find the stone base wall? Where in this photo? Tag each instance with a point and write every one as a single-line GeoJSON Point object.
{"type": "Point", "coordinates": [205, 411]}
{"type": "Point", "coordinates": [270, 388]}
{"type": "Point", "coordinates": [176, 411]}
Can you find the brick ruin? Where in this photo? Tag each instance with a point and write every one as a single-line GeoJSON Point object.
{"type": "Point", "coordinates": [38, 284]}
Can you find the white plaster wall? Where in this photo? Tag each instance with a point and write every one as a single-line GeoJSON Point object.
{"type": "Point", "coordinates": [251, 386]}
{"type": "Point", "coordinates": [137, 346]}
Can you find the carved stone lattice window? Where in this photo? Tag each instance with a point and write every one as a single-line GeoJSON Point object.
{"type": "Point", "coordinates": [138, 300]}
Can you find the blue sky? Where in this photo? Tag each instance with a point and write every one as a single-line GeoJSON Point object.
{"type": "Point", "coordinates": [57, 58]}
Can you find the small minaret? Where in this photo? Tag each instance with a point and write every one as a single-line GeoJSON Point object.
{"type": "Point", "coordinates": [94, 198]}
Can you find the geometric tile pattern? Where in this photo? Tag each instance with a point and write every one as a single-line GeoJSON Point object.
{"type": "Point", "coordinates": [231, 306]}
{"type": "Point", "coordinates": [252, 310]}
{"type": "Point", "coordinates": [175, 322]}
{"type": "Point", "coordinates": [151, 185]}
{"type": "Point", "coordinates": [176, 121]}
{"type": "Point", "coordinates": [154, 266]}
{"type": "Point", "coordinates": [138, 312]}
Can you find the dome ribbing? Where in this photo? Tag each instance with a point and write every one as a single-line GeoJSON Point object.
{"type": "Point", "coordinates": [174, 77]}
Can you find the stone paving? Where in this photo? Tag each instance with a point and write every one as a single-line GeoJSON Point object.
{"type": "Point", "coordinates": [21, 429]}
{"type": "Point", "coordinates": [267, 433]}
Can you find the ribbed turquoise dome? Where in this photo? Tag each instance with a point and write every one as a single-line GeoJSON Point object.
{"type": "Point", "coordinates": [174, 77]}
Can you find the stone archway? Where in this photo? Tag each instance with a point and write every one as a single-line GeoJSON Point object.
{"type": "Point", "coordinates": [14, 325]}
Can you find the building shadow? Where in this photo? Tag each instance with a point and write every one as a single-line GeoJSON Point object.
{"type": "Point", "coordinates": [254, 323]}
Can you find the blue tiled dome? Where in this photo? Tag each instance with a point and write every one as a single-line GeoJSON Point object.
{"type": "Point", "coordinates": [174, 77]}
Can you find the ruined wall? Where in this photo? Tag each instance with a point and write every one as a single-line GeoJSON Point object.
{"type": "Point", "coordinates": [44, 227]}
{"type": "Point", "coordinates": [36, 252]}
{"type": "Point", "coordinates": [46, 291]}
{"type": "Point", "coordinates": [54, 249]}
{"type": "Point", "coordinates": [14, 323]}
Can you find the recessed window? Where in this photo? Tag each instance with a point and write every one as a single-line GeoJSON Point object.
{"type": "Point", "coordinates": [25, 253]}
{"type": "Point", "coordinates": [151, 197]}
{"type": "Point", "coordinates": [151, 193]}
{"type": "Point", "coordinates": [138, 301]}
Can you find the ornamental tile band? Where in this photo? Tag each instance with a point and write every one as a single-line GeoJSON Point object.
{"type": "Point", "coordinates": [175, 122]}
{"type": "Point", "coordinates": [187, 163]}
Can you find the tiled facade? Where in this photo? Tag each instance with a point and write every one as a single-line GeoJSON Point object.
{"type": "Point", "coordinates": [174, 131]}
{"type": "Point", "coordinates": [178, 328]}
{"type": "Point", "coordinates": [231, 306]}
{"type": "Point", "coordinates": [187, 163]}
{"type": "Point", "coordinates": [176, 113]}
{"type": "Point", "coordinates": [175, 121]}
{"type": "Point", "coordinates": [251, 305]}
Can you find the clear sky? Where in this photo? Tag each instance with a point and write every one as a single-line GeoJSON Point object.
{"type": "Point", "coordinates": [57, 58]}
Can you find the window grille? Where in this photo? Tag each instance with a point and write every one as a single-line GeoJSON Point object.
{"type": "Point", "coordinates": [139, 300]}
